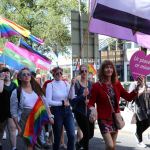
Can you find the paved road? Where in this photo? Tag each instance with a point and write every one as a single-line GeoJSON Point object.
{"type": "Point", "coordinates": [125, 140]}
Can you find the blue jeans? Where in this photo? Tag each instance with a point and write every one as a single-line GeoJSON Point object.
{"type": "Point", "coordinates": [63, 116]}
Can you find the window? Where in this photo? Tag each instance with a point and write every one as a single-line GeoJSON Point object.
{"type": "Point", "coordinates": [129, 76]}
{"type": "Point", "coordinates": [135, 45]}
{"type": "Point", "coordinates": [127, 45]}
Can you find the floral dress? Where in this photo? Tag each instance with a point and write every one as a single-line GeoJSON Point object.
{"type": "Point", "coordinates": [108, 125]}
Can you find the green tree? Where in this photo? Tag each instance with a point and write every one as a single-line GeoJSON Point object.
{"type": "Point", "coordinates": [48, 20]}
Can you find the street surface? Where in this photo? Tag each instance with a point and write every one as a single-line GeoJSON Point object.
{"type": "Point", "coordinates": [125, 140]}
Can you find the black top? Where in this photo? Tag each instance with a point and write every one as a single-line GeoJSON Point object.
{"type": "Point", "coordinates": [5, 101]}
{"type": "Point", "coordinates": [79, 102]}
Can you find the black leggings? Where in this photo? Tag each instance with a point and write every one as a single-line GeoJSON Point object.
{"type": "Point", "coordinates": [87, 129]}
{"type": "Point", "coordinates": [141, 126]}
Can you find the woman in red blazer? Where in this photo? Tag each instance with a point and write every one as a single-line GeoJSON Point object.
{"type": "Point", "coordinates": [109, 83]}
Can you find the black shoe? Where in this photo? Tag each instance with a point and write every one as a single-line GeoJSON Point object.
{"type": "Point", "coordinates": [46, 146]}
{"type": "Point", "coordinates": [137, 138]}
{"type": "Point", "coordinates": [1, 147]}
{"type": "Point", "coordinates": [78, 146]}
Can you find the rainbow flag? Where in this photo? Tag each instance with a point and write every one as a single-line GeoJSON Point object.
{"type": "Point", "coordinates": [9, 28]}
{"type": "Point", "coordinates": [1, 51]}
{"type": "Point", "coordinates": [6, 31]}
{"type": "Point", "coordinates": [37, 118]}
{"type": "Point", "coordinates": [16, 57]}
{"type": "Point", "coordinates": [91, 69]}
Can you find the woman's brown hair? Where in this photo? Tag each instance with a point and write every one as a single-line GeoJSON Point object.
{"type": "Point", "coordinates": [34, 84]}
{"type": "Point", "coordinates": [101, 75]}
{"type": "Point", "coordinates": [55, 69]}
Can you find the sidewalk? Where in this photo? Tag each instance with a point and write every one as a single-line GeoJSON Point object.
{"type": "Point", "coordinates": [128, 126]}
{"type": "Point", "coordinates": [126, 138]}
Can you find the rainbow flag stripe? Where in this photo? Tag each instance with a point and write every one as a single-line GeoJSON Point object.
{"type": "Point", "coordinates": [22, 60]}
{"type": "Point", "coordinates": [6, 31]}
{"type": "Point", "coordinates": [37, 118]}
{"type": "Point", "coordinates": [16, 60]}
{"type": "Point", "coordinates": [91, 69]}
{"type": "Point", "coordinates": [21, 30]}
{"type": "Point", "coordinates": [9, 28]}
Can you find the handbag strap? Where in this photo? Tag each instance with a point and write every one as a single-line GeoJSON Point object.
{"type": "Point", "coordinates": [108, 98]}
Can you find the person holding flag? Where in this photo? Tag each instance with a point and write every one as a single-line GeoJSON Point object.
{"type": "Point", "coordinates": [79, 103]}
{"type": "Point", "coordinates": [29, 101]}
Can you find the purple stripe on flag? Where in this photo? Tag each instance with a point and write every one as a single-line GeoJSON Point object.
{"type": "Point", "coordinates": [127, 20]}
{"type": "Point", "coordinates": [113, 30]}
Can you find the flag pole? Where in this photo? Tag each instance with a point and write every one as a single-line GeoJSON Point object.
{"type": "Point", "coordinates": [74, 75]}
{"type": "Point", "coordinates": [88, 3]}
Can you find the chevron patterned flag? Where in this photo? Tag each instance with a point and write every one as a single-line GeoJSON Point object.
{"type": "Point", "coordinates": [123, 19]}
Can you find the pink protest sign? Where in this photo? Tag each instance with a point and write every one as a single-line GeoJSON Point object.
{"type": "Point", "coordinates": [140, 64]}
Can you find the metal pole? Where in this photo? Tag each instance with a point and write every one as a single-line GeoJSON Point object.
{"type": "Point", "coordinates": [116, 49]}
{"type": "Point", "coordinates": [81, 31]}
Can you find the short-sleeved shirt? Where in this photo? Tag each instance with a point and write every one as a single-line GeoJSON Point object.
{"type": "Point", "coordinates": [5, 101]}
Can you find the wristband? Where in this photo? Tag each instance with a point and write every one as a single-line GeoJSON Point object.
{"type": "Point", "coordinates": [51, 116]}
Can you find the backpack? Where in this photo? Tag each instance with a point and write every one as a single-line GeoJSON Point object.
{"type": "Point", "coordinates": [45, 85]}
{"type": "Point", "coordinates": [18, 94]}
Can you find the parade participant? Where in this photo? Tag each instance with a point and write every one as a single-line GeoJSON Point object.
{"type": "Point", "coordinates": [82, 90]}
{"type": "Point", "coordinates": [106, 94]}
{"type": "Point", "coordinates": [141, 105]}
{"type": "Point", "coordinates": [58, 93]}
{"type": "Point", "coordinates": [6, 88]}
{"type": "Point", "coordinates": [41, 141]}
{"type": "Point", "coordinates": [14, 77]}
{"type": "Point", "coordinates": [28, 91]}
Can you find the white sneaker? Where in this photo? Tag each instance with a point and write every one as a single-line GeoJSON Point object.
{"type": "Point", "coordinates": [4, 135]}
{"type": "Point", "coordinates": [141, 144]}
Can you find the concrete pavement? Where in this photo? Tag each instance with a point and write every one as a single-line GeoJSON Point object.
{"type": "Point", "coordinates": [125, 140]}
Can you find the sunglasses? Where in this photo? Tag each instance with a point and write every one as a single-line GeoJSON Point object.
{"type": "Point", "coordinates": [82, 71]}
{"type": "Point", "coordinates": [26, 74]}
{"type": "Point", "coordinates": [58, 73]}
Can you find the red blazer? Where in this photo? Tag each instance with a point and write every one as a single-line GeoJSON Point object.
{"type": "Point", "coordinates": [99, 97]}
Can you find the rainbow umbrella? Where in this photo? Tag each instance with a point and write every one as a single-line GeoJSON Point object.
{"type": "Point", "coordinates": [9, 28]}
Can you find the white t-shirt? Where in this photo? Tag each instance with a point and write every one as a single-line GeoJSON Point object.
{"type": "Point", "coordinates": [56, 92]}
{"type": "Point", "coordinates": [29, 99]}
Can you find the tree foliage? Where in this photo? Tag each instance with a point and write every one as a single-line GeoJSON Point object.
{"type": "Point", "coordinates": [48, 20]}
